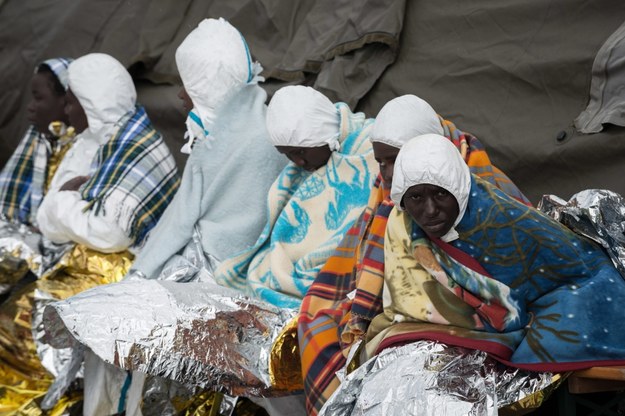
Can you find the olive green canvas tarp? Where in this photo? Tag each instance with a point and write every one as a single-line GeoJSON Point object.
{"type": "Point", "coordinates": [514, 73]}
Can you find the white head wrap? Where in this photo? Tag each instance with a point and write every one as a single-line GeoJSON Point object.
{"type": "Point", "coordinates": [303, 117]}
{"type": "Point", "coordinates": [214, 62]}
{"type": "Point", "coordinates": [103, 87]}
{"type": "Point", "coordinates": [403, 118]}
{"type": "Point", "coordinates": [432, 159]}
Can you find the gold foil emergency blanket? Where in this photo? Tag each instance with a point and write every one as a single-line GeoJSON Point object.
{"type": "Point", "coordinates": [285, 366]}
{"type": "Point", "coordinates": [65, 139]}
{"type": "Point", "coordinates": [23, 379]}
{"type": "Point", "coordinates": [199, 334]}
{"type": "Point", "coordinates": [169, 398]}
{"type": "Point", "coordinates": [598, 214]}
{"type": "Point", "coordinates": [431, 379]}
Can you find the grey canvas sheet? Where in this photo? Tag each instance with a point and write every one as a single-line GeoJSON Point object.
{"type": "Point", "coordinates": [516, 73]}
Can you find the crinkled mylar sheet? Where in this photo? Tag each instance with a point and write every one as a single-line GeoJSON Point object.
{"type": "Point", "coordinates": [199, 334]}
{"type": "Point", "coordinates": [427, 378]}
{"type": "Point", "coordinates": [19, 252]}
{"type": "Point", "coordinates": [598, 214]}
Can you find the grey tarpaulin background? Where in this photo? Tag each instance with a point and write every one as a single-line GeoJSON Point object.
{"type": "Point", "coordinates": [514, 73]}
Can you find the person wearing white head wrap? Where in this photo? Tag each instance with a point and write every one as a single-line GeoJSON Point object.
{"type": "Point", "coordinates": [301, 116]}
{"type": "Point", "coordinates": [112, 209]}
{"type": "Point", "coordinates": [108, 93]}
{"type": "Point", "coordinates": [398, 121]}
{"type": "Point", "coordinates": [231, 158]}
{"type": "Point", "coordinates": [313, 202]}
{"type": "Point", "coordinates": [26, 176]}
{"type": "Point", "coordinates": [403, 118]}
{"type": "Point", "coordinates": [432, 160]}
{"type": "Point", "coordinates": [109, 208]}
{"type": "Point", "coordinates": [214, 63]}
{"type": "Point", "coordinates": [470, 266]}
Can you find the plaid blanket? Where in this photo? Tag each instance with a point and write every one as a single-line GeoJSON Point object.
{"type": "Point", "coordinates": [135, 171]}
{"type": "Point", "coordinates": [479, 162]}
{"type": "Point", "coordinates": [26, 175]}
{"type": "Point", "coordinates": [329, 321]}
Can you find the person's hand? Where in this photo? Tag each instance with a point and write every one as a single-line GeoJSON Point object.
{"type": "Point", "coordinates": [74, 183]}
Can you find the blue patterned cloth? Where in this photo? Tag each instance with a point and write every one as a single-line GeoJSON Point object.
{"type": "Point", "coordinates": [308, 215]}
{"type": "Point", "coordinates": [515, 283]}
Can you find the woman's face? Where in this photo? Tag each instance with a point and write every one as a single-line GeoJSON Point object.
{"type": "Point", "coordinates": [46, 105]}
{"type": "Point", "coordinates": [75, 113]}
{"type": "Point", "coordinates": [309, 158]}
{"type": "Point", "coordinates": [433, 208]}
{"type": "Point", "coordinates": [385, 155]}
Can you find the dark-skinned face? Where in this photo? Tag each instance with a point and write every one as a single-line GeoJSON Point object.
{"type": "Point", "coordinates": [309, 158]}
{"type": "Point", "coordinates": [187, 104]}
{"type": "Point", "coordinates": [385, 155]}
{"type": "Point", "coordinates": [75, 113]}
{"type": "Point", "coordinates": [46, 105]}
{"type": "Point", "coordinates": [433, 208]}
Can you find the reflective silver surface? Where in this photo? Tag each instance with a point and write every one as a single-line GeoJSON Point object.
{"type": "Point", "coordinates": [199, 334]}
{"type": "Point", "coordinates": [598, 214]}
{"type": "Point", "coordinates": [430, 379]}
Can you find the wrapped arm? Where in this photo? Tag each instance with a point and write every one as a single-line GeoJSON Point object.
{"type": "Point", "coordinates": [61, 219]}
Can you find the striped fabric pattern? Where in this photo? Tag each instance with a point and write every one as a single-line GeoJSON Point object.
{"type": "Point", "coordinates": [23, 178]}
{"type": "Point", "coordinates": [136, 170]}
{"type": "Point", "coordinates": [480, 163]}
{"type": "Point", "coordinates": [330, 321]}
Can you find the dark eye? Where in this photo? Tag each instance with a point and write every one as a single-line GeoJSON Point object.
{"type": "Point", "coordinates": [415, 197]}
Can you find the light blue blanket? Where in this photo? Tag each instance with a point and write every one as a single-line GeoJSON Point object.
{"type": "Point", "coordinates": [307, 216]}
{"type": "Point", "coordinates": [223, 190]}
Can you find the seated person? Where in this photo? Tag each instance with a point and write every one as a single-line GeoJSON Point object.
{"type": "Point", "coordinates": [330, 321]}
{"type": "Point", "coordinates": [26, 177]}
{"type": "Point", "coordinates": [27, 174]}
{"type": "Point", "coordinates": [109, 210]}
{"type": "Point", "coordinates": [469, 266]}
{"type": "Point", "coordinates": [231, 159]}
{"type": "Point", "coordinates": [313, 202]}
{"type": "Point", "coordinates": [134, 173]}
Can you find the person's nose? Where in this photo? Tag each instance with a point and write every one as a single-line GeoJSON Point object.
{"type": "Point", "coordinates": [299, 161]}
{"type": "Point", "coordinates": [387, 174]}
{"type": "Point", "coordinates": [430, 207]}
